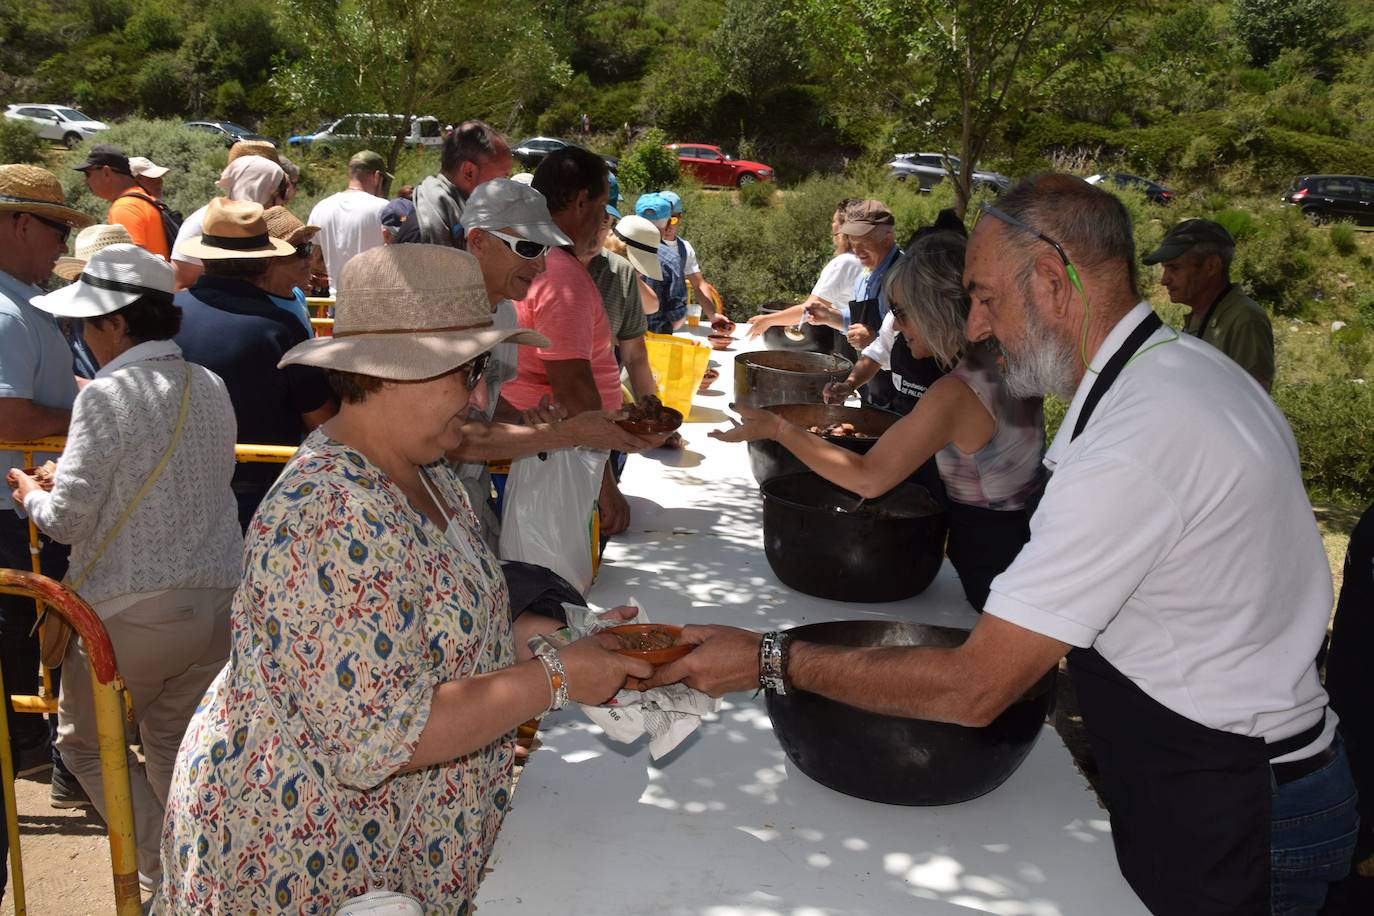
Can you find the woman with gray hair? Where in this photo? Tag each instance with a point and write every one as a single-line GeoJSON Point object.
{"type": "Point", "coordinates": [987, 444]}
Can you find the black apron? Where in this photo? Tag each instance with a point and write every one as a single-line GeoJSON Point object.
{"type": "Point", "coordinates": [1190, 805]}
{"type": "Point", "coordinates": [879, 390]}
{"type": "Point", "coordinates": [907, 382]}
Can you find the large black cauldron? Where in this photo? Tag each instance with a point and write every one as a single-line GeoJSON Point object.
{"type": "Point", "coordinates": [768, 459]}
{"type": "Point", "coordinates": [895, 760]}
{"type": "Point", "coordinates": [767, 377]}
{"type": "Point", "coordinates": [819, 541]}
{"type": "Point", "coordinates": [813, 338]}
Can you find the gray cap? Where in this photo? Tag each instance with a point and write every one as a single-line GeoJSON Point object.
{"type": "Point", "coordinates": [1185, 235]}
{"type": "Point", "coordinates": [505, 204]}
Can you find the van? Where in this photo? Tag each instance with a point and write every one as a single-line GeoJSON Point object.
{"type": "Point", "coordinates": [370, 128]}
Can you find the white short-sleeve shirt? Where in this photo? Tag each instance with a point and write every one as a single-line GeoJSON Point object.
{"type": "Point", "coordinates": [350, 223]}
{"type": "Point", "coordinates": [191, 228]}
{"type": "Point", "coordinates": [880, 350]}
{"type": "Point", "coordinates": [1176, 538]}
{"type": "Point", "coordinates": [836, 282]}
{"type": "Point", "coordinates": [689, 263]}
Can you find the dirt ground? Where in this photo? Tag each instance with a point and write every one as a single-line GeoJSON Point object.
{"type": "Point", "coordinates": [66, 855]}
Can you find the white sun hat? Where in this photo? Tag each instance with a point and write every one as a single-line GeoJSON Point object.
{"type": "Point", "coordinates": [113, 278]}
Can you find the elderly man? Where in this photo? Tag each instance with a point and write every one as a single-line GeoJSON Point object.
{"type": "Point", "coordinates": [510, 232]}
{"type": "Point", "coordinates": [37, 388]}
{"type": "Point", "coordinates": [578, 370]}
{"type": "Point", "coordinates": [473, 153]}
{"type": "Point", "coordinates": [110, 177]}
{"type": "Point", "coordinates": [1190, 597]}
{"type": "Point", "coordinates": [232, 326]}
{"type": "Point", "coordinates": [1196, 257]}
{"type": "Point", "coordinates": [148, 174]}
{"type": "Point", "coordinates": [351, 221]}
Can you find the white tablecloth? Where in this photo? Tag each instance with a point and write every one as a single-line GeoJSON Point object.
{"type": "Point", "coordinates": [726, 826]}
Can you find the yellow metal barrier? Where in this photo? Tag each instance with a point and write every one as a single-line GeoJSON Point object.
{"type": "Point", "coordinates": [111, 719]}
{"type": "Point", "coordinates": [320, 306]}
{"type": "Point", "coordinates": [324, 327]}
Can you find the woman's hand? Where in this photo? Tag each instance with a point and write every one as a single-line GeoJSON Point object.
{"type": "Point", "coordinates": [595, 673]}
{"type": "Point", "coordinates": [23, 485]}
{"type": "Point", "coordinates": [546, 411]}
{"type": "Point", "coordinates": [824, 313]}
{"type": "Point", "coordinates": [859, 335]}
{"type": "Point", "coordinates": [726, 659]}
{"type": "Point", "coordinates": [838, 392]}
{"type": "Point", "coordinates": [758, 324]}
{"type": "Point", "coordinates": [758, 424]}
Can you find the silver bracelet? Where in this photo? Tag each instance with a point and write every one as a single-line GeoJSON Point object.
{"type": "Point", "coordinates": [773, 662]}
{"type": "Point", "coordinates": [558, 679]}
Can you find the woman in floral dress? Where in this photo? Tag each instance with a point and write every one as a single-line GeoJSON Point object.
{"type": "Point", "coordinates": [362, 734]}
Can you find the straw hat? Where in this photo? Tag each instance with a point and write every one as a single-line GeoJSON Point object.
{"type": "Point", "coordinates": [283, 224]}
{"type": "Point", "coordinates": [234, 229]}
{"type": "Point", "coordinates": [88, 242]}
{"type": "Point", "coordinates": [641, 240]}
{"type": "Point", "coordinates": [113, 278]}
{"type": "Point", "coordinates": [29, 189]}
{"type": "Point", "coordinates": [408, 312]}
{"type": "Point", "coordinates": [254, 148]}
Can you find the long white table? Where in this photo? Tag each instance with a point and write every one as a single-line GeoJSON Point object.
{"type": "Point", "coordinates": [725, 825]}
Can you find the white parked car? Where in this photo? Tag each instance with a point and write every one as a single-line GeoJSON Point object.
{"type": "Point", "coordinates": [424, 131]}
{"type": "Point", "coordinates": [57, 122]}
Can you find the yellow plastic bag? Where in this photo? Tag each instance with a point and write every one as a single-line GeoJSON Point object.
{"type": "Point", "coordinates": [678, 364]}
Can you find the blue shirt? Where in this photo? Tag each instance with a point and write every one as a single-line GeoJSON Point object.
{"type": "Point", "coordinates": [35, 361]}
{"type": "Point", "coordinates": [870, 286]}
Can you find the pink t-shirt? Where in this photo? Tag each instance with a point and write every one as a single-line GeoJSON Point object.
{"type": "Point", "coordinates": [565, 306]}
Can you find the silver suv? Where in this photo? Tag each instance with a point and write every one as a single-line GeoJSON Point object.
{"type": "Point", "coordinates": [929, 169]}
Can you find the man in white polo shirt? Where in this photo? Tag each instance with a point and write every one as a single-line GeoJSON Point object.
{"type": "Point", "coordinates": [1174, 558]}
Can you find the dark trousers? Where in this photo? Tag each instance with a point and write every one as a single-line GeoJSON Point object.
{"type": "Point", "coordinates": [982, 543]}
{"type": "Point", "coordinates": [18, 649]}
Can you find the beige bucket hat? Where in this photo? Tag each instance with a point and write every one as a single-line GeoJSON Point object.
{"type": "Point", "coordinates": [88, 242]}
{"type": "Point", "coordinates": [406, 313]}
{"type": "Point", "coordinates": [234, 229]}
{"type": "Point", "coordinates": [29, 189]}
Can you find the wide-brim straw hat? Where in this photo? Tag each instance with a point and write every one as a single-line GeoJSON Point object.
{"type": "Point", "coordinates": [114, 277]}
{"type": "Point", "coordinates": [234, 229]}
{"type": "Point", "coordinates": [29, 189]}
{"type": "Point", "coordinates": [641, 239]}
{"type": "Point", "coordinates": [261, 148]}
{"type": "Point", "coordinates": [88, 242]}
{"type": "Point", "coordinates": [285, 225]}
{"type": "Point", "coordinates": [406, 313]}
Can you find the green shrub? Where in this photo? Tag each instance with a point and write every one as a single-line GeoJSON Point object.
{"type": "Point", "coordinates": [649, 165]}
{"type": "Point", "coordinates": [160, 85]}
{"type": "Point", "coordinates": [1334, 427]}
{"type": "Point", "coordinates": [1238, 222]}
{"type": "Point", "coordinates": [1342, 238]}
{"type": "Point", "coordinates": [19, 142]}
{"type": "Point", "coordinates": [757, 194]}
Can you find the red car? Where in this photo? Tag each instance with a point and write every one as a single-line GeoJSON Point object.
{"type": "Point", "coordinates": [711, 166]}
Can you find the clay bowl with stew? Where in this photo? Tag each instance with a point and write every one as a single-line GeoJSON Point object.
{"type": "Point", "coordinates": [663, 420]}
{"type": "Point", "coordinates": [653, 642]}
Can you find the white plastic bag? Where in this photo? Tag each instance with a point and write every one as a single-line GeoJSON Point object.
{"type": "Point", "coordinates": [548, 512]}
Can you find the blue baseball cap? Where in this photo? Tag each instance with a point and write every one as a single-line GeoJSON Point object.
{"type": "Point", "coordinates": [653, 206]}
{"type": "Point", "coordinates": [613, 200]}
{"type": "Point", "coordinates": [674, 202]}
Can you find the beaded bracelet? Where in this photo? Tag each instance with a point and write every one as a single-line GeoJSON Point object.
{"type": "Point", "coordinates": [558, 679]}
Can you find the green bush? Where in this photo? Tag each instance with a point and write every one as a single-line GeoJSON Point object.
{"type": "Point", "coordinates": [758, 194]}
{"type": "Point", "coordinates": [1334, 427]}
{"type": "Point", "coordinates": [649, 165]}
{"type": "Point", "coordinates": [1342, 239]}
{"type": "Point", "coordinates": [160, 85]}
{"type": "Point", "coordinates": [19, 142]}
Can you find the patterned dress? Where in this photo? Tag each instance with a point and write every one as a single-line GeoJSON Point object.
{"type": "Point", "coordinates": [352, 607]}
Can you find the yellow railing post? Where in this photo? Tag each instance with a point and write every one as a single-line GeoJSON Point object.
{"type": "Point", "coordinates": [11, 812]}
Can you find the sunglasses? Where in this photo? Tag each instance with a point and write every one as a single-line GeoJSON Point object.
{"type": "Point", "coordinates": [62, 229]}
{"type": "Point", "coordinates": [305, 250]}
{"type": "Point", "coordinates": [473, 369]}
{"type": "Point", "coordinates": [673, 220]}
{"type": "Point", "coordinates": [523, 247]}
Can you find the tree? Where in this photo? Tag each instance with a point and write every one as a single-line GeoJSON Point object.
{"type": "Point", "coordinates": [404, 57]}
{"type": "Point", "coordinates": [1267, 27]}
{"type": "Point", "coordinates": [966, 65]}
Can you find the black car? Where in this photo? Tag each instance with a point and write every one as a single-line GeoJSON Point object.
{"type": "Point", "coordinates": [1326, 197]}
{"type": "Point", "coordinates": [230, 132]}
{"type": "Point", "coordinates": [529, 153]}
{"type": "Point", "coordinates": [1153, 190]}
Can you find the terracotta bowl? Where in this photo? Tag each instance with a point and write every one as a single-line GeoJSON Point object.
{"type": "Point", "coordinates": [721, 341]}
{"type": "Point", "coordinates": [662, 656]}
{"type": "Point", "coordinates": [668, 420]}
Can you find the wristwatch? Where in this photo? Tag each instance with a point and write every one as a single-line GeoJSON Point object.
{"type": "Point", "coordinates": [773, 662]}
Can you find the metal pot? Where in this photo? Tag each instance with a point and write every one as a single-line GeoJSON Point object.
{"type": "Point", "coordinates": [819, 541]}
{"type": "Point", "coordinates": [895, 760]}
{"type": "Point", "coordinates": [768, 459]}
{"type": "Point", "coordinates": [768, 377]}
{"type": "Point", "coordinates": [813, 338]}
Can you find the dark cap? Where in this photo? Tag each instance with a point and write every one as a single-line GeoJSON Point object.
{"type": "Point", "coordinates": [397, 212]}
{"type": "Point", "coordinates": [103, 154]}
{"type": "Point", "coordinates": [1185, 235]}
{"type": "Point", "coordinates": [369, 161]}
{"type": "Point", "coordinates": [863, 216]}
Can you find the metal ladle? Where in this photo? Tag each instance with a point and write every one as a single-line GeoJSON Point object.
{"type": "Point", "coordinates": [798, 332]}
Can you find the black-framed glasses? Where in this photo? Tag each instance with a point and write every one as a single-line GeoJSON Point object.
{"type": "Point", "coordinates": [62, 229]}
{"type": "Point", "coordinates": [305, 250]}
{"type": "Point", "coordinates": [523, 247]}
{"type": "Point", "coordinates": [473, 369]}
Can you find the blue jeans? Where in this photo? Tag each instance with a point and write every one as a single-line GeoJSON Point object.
{"type": "Point", "coordinates": [1314, 826]}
